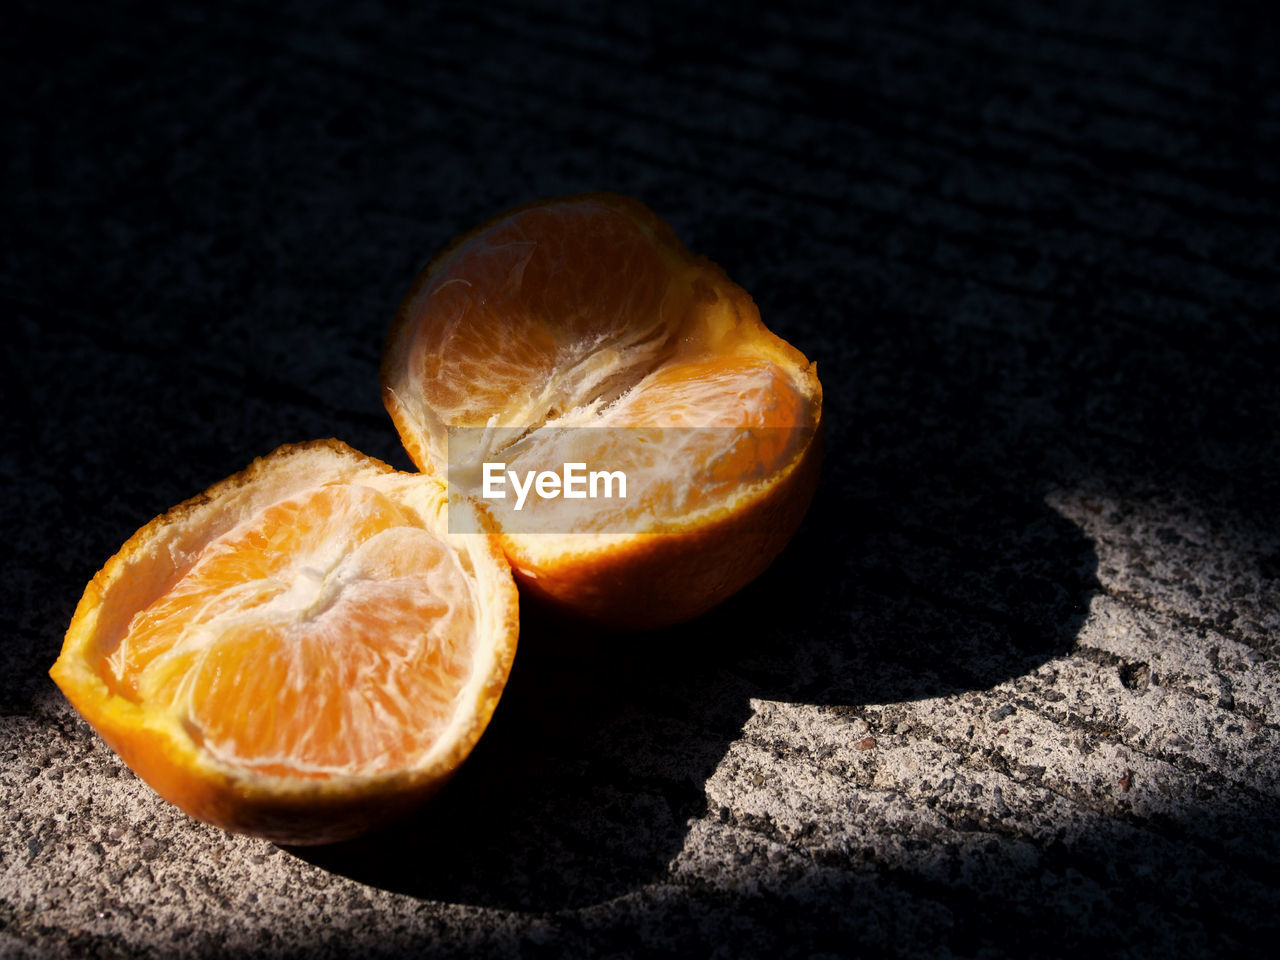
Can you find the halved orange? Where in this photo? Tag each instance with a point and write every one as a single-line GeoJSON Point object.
{"type": "Point", "coordinates": [299, 652]}
{"type": "Point", "coordinates": [306, 648]}
{"type": "Point", "coordinates": [582, 327]}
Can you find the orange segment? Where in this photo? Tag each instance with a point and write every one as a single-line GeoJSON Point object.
{"type": "Point", "coordinates": [587, 312]}
{"type": "Point", "coordinates": [306, 635]}
{"type": "Point", "coordinates": [518, 311]}
{"type": "Point", "coordinates": [324, 636]}
{"type": "Point", "coordinates": [711, 392]}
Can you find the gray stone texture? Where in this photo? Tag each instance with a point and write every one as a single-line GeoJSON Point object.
{"type": "Point", "coordinates": [1014, 690]}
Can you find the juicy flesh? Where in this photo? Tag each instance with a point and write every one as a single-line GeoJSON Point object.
{"type": "Point", "coordinates": [572, 317]}
{"type": "Point", "coordinates": [689, 437]}
{"type": "Point", "coordinates": [541, 312]}
{"type": "Point", "coordinates": [327, 635]}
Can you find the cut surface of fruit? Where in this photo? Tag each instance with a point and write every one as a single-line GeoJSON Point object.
{"type": "Point", "coordinates": [581, 328]}
{"type": "Point", "coordinates": [301, 651]}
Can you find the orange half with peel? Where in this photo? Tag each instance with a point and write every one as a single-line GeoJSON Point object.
{"type": "Point", "coordinates": [585, 321]}
{"type": "Point", "coordinates": [301, 651]}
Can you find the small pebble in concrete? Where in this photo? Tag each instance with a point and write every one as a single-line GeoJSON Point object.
{"type": "Point", "coordinates": [999, 713]}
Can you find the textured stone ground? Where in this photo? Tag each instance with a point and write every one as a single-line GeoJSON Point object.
{"type": "Point", "coordinates": [1014, 689]}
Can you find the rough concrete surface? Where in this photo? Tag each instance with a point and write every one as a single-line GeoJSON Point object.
{"type": "Point", "coordinates": [1014, 689]}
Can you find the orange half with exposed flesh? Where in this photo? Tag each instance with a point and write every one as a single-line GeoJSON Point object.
{"type": "Point", "coordinates": [582, 328]}
{"type": "Point", "coordinates": [299, 652]}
